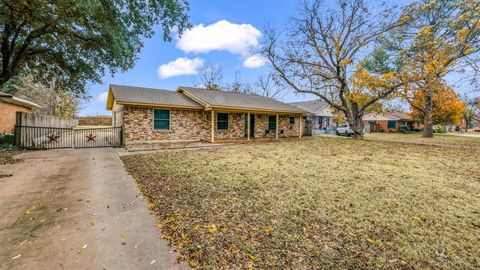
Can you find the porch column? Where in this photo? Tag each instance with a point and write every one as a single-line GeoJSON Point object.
{"type": "Point", "coordinates": [300, 127]}
{"type": "Point", "coordinates": [212, 121]}
{"type": "Point", "coordinates": [248, 126]}
{"type": "Point", "coordinates": [276, 129]}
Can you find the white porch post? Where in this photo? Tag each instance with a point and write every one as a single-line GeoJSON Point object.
{"type": "Point", "coordinates": [300, 127]}
{"type": "Point", "coordinates": [212, 121]}
{"type": "Point", "coordinates": [276, 128]}
{"type": "Point", "coordinates": [248, 126]}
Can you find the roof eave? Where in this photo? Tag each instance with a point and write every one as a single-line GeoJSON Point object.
{"type": "Point", "coordinates": [266, 110]}
{"type": "Point", "coordinates": [20, 101]}
{"type": "Point", "coordinates": [110, 99]}
{"type": "Point", "coordinates": [143, 104]}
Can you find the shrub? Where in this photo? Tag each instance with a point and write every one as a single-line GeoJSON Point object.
{"type": "Point", "coordinates": [7, 138]}
{"type": "Point", "coordinates": [439, 129]}
{"type": "Point", "coordinates": [7, 147]}
{"type": "Point", "coordinates": [404, 129]}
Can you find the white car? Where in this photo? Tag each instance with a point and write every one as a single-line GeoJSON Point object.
{"type": "Point", "coordinates": [344, 129]}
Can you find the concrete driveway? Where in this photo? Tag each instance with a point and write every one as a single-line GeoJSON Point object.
{"type": "Point", "coordinates": [76, 209]}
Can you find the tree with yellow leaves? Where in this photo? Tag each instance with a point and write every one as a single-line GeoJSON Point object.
{"type": "Point", "coordinates": [447, 108]}
{"type": "Point", "coordinates": [324, 54]}
{"type": "Point", "coordinates": [442, 37]}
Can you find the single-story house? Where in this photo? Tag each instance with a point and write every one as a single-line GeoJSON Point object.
{"type": "Point", "coordinates": [389, 122]}
{"type": "Point", "coordinates": [320, 116]}
{"type": "Point", "coordinates": [195, 114]}
{"type": "Point", "coordinates": [9, 106]}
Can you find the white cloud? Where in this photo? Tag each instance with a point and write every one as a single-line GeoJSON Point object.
{"type": "Point", "coordinates": [254, 61]}
{"type": "Point", "coordinates": [102, 97]}
{"type": "Point", "coordinates": [222, 35]}
{"type": "Point", "coordinates": [181, 66]}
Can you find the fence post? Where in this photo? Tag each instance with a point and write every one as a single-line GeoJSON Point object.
{"type": "Point", "coordinates": [15, 135]}
{"type": "Point", "coordinates": [121, 136]}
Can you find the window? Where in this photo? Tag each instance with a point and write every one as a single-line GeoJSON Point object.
{"type": "Point", "coordinates": [320, 120]}
{"type": "Point", "coordinates": [222, 121]}
{"type": "Point", "coordinates": [292, 120]}
{"type": "Point", "coordinates": [392, 124]}
{"type": "Point", "coordinates": [272, 122]}
{"type": "Point", "coordinates": [161, 119]}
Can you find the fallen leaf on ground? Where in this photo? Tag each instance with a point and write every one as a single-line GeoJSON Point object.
{"type": "Point", "coordinates": [371, 241]}
{"type": "Point", "coordinates": [268, 230]}
{"type": "Point", "coordinates": [80, 250]}
{"type": "Point", "coordinates": [28, 212]}
{"type": "Point", "coordinates": [123, 234]}
{"type": "Point", "coordinates": [16, 257]}
{"type": "Point", "coordinates": [23, 242]}
{"type": "Point", "coordinates": [212, 228]}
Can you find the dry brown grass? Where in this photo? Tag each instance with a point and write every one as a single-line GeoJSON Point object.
{"type": "Point", "coordinates": [318, 203]}
{"type": "Point", "coordinates": [438, 139]}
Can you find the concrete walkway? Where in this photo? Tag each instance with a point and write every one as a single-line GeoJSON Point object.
{"type": "Point", "coordinates": [76, 209]}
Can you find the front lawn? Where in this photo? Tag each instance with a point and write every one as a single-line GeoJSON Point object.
{"type": "Point", "coordinates": [317, 203]}
{"type": "Point", "coordinates": [438, 138]}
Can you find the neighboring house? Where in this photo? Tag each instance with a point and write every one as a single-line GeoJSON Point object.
{"type": "Point", "coordinates": [193, 114]}
{"type": "Point", "coordinates": [388, 122]}
{"type": "Point", "coordinates": [9, 106]}
{"type": "Point", "coordinates": [320, 116]}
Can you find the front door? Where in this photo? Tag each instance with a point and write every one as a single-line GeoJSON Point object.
{"type": "Point", "coordinates": [252, 125]}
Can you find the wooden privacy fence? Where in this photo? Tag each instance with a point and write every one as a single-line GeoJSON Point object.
{"type": "Point", "coordinates": [40, 120]}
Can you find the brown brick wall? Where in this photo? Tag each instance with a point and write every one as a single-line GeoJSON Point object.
{"type": "Point", "coordinates": [184, 125]}
{"type": "Point", "coordinates": [382, 126]}
{"type": "Point", "coordinates": [289, 130]}
{"type": "Point", "coordinates": [195, 125]}
{"type": "Point", "coordinates": [236, 127]}
{"type": "Point", "coordinates": [7, 119]}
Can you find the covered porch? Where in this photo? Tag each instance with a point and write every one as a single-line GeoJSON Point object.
{"type": "Point", "coordinates": [228, 124]}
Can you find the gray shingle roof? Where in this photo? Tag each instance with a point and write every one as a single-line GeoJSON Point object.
{"type": "Point", "coordinates": [311, 106]}
{"type": "Point", "coordinates": [132, 94]}
{"type": "Point", "coordinates": [239, 100]}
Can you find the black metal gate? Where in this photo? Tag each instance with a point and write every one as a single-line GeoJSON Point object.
{"type": "Point", "coordinates": [29, 137]}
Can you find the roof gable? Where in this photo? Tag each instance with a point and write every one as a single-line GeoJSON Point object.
{"type": "Point", "coordinates": [148, 96]}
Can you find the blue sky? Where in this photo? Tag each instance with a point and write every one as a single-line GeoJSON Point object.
{"type": "Point", "coordinates": [222, 33]}
{"type": "Point", "coordinates": [245, 18]}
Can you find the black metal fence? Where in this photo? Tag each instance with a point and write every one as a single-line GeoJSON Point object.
{"type": "Point", "coordinates": [30, 137]}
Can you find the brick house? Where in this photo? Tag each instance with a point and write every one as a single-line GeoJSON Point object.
{"type": "Point", "coordinates": [194, 114]}
{"type": "Point", "coordinates": [389, 122]}
{"type": "Point", "coordinates": [9, 106]}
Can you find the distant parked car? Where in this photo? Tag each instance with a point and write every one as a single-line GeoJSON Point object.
{"type": "Point", "coordinates": [344, 129]}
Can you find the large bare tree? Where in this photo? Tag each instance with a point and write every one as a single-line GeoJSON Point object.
{"type": "Point", "coordinates": [323, 51]}
{"type": "Point", "coordinates": [210, 77]}
{"type": "Point", "coordinates": [267, 85]}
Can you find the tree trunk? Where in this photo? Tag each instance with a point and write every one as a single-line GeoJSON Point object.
{"type": "Point", "coordinates": [427, 117]}
{"type": "Point", "coordinates": [356, 124]}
